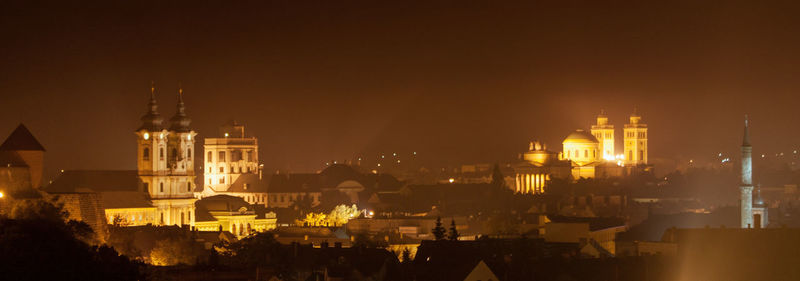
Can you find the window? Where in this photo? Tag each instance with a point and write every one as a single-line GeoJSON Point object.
{"type": "Point", "coordinates": [161, 153]}
{"type": "Point", "coordinates": [630, 154]}
{"type": "Point", "coordinates": [189, 187]}
{"type": "Point", "coordinates": [210, 157]}
{"type": "Point", "coordinates": [641, 154]}
{"type": "Point", "coordinates": [210, 170]}
{"type": "Point", "coordinates": [181, 218]}
{"type": "Point", "coordinates": [236, 155]}
{"type": "Point", "coordinates": [577, 153]}
{"type": "Point", "coordinates": [221, 180]}
{"type": "Point", "coordinates": [221, 169]}
{"type": "Point", "coordinates": [162, 218]}
{"type": "Point", "coordinates": [162, 187]}
{"type": "Point", "coordinates": [222, 156]}
{"type": "Point", "coordinates": [146, 155]}
{"type": "Point", "coordinates": [585, 153]}
{"type": "Point", "coordinates": [189, 153]}
{"type": "Point", "coordinates": [209, 181]}
{"type": "Point", "coordinates": [250, 155]}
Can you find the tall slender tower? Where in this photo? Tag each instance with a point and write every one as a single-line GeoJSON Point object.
{"type": "Point", "coordinates": [604, 133]}
{"type": "Point", "coordinates": [635, 141]}
{"type": "Point", "coordinates": [165, 164]}
{"type": "Point", "coordinates": [746, 187]}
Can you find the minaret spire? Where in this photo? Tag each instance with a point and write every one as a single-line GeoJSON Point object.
{"type": "Point", "coordinates": [746, 137]}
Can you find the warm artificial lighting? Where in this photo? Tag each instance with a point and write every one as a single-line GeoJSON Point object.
{"type": "Point", "coordinates": [1, 195]}
{"type": "Point", "coordinates": [226, 135]}
{"type": "Point", "coordinates": [188, 137]}
{"type": "Point", "coordinates": [146, 136]}
{"type": "Point", "coordinates": [161, 136]}
{"type": "Point", "coordinates": [451, 180]}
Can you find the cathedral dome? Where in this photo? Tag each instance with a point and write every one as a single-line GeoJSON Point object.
{"type": "Point", "coordinates": [580, 136]}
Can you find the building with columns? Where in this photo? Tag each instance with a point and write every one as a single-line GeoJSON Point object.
{"type": "Point", "coordinates": [584, 155]}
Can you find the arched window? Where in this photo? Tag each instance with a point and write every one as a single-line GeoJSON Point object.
{"type": "Point", "coordinates": [146, 153]}
{"type": "Point", "coordinates": [162, 187]}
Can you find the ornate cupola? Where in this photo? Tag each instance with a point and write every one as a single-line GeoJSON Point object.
{"type": "Point", "coordinates": [180, 122]}
{"type": "Point", "coordinates": [152, 121]}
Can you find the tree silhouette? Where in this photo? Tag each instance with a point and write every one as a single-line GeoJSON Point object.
{"type": "Point", "coordinates": [453, 235]}
{"type": "Point", "coordinates": [497, 177]}
{"type": "Point", "coordinates": [438, 230]}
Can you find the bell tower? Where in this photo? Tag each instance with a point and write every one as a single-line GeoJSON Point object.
{"type": "Point", "coordinates": [165, 163]}
{"type": "Point", "coordinates": [151, 146]}
{"type": "Point", "coordinates": [604, 133]}
{"type": "Point", "coordinates": [635, 141]}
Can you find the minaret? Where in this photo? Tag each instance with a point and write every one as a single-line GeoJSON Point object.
{"type": "Point", "coordinates": [746, 186]}
{"type": "Point", "coordinates": [604, 133]}
{"type": "Point", "coordinates": [635, 141]}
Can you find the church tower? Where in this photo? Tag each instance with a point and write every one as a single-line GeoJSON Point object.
{"type": "Point", "coordinates": [165, 163]}
{"type": "Point", "coordinates": [635, 141]}
{"type": "Point", "coordinates": [746, 186]}
{"type": "Point", "coordinates": [604, 133]}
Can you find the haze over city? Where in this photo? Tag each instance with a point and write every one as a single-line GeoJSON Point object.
{"type": "Point", "coordinates": [399, 140]}
{"type": "Point", "coordinates": [466, 82]}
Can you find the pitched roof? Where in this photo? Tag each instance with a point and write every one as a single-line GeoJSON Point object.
{"type": "Point", "coordinates": [254, 184]}
{"type": "Point", "coordinates": [11, 159]}
{"type": "Point", "coordinates": [95, 181]}
{"type": "Point", "coordinates": [218, 203]}
{"type": "Point", "coordinates": [21, 139]}
{"type": "Point", "coordinates": [125, 199]}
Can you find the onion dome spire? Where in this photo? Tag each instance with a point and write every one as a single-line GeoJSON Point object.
{"type": "Point", "coordinates": [746, 138]}
{"type": "Point", "coordinates": [151, 121]}
{"type": "Point", "coordinates": [180, 122]}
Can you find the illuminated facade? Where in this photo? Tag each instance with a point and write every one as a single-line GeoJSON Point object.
{"type": "Point", "coordinates": [231, 166]}
{"type": "Point", "coordinates": [166, 164]}
{"type": "Point", "coordinates": [635, 141]}
{"type": "Point", "coordinates": [232, 214]}
{"type": "Point", "coordinates": [584, 155]}
{"type": "Point", "coordinates": [753, 212]}
{"type": "Point", "coordinates": [604, 133]}
{"type": "Point", "coordinates": [539, 166]}
{"type": "Point", "coordinates": [581, 148]}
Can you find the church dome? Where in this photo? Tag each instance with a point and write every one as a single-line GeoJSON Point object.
{"type": "Point", "coordinates": [580, 136]}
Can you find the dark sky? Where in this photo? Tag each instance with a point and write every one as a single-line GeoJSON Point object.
{"type": "Point", "coordinates": [457, 81]}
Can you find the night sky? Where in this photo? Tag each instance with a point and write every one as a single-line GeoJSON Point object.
{"type": "Point", "coordinates": [457, 82]}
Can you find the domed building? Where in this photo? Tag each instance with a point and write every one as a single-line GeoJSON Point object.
{"type": "Point", "coordinates": [584, 155]}
{"type": "Point", "coordinates": [581, 148]}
